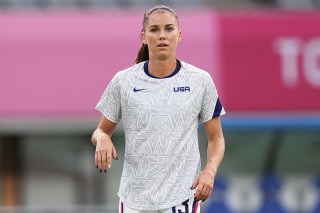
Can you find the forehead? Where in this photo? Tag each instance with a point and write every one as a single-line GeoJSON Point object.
{"type": "Point", "coordinates": [161, 18]}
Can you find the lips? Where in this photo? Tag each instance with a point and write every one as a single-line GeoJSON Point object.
{"type": "Point", "coordinates": [162, 45]}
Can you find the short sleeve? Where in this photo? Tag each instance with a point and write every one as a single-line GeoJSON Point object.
{"type": "Point", "coordinates": [110, 102]}
{"type": "Point", "coordinates": [211, 105]}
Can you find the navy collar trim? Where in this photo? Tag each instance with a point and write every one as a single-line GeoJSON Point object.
{"type": "Point", "coordinates": [146, 70]}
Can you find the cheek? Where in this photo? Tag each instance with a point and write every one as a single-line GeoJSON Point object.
{"type": "Point", "coordinates": [151, 39]}
{"type": "Point", "coordinates": [175, 37]}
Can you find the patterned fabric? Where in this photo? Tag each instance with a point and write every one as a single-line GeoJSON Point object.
{"type": "Point", "coordinates": [160, 119]}
{"type": "Point", "coordinates": [188, 206]}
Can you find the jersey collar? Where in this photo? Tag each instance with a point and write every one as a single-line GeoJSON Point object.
{"type": "Point", "coordinates": [146, 70]}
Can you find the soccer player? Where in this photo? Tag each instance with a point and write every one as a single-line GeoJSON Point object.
{"type": "Point", "coordinates": [161, 101]}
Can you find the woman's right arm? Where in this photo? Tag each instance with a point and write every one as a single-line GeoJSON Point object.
{"type": "Point", "coordinates": [105, 150]}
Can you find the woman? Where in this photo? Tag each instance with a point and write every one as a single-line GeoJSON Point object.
{"type": "Point", "coordinates": [161, 101]}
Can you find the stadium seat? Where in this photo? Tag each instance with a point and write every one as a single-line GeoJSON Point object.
{"type": "Point", "coordinates": [317, 185]}
{"type": "Point", "coordinates": [271, 186]}
{"type": "Point", "coordinates": [217, 201]}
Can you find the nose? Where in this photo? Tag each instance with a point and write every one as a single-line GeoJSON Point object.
{"type": "Point", "coordinates": [162, 35]}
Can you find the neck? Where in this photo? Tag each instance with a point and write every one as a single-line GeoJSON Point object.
{"type": "Point", "coordinates": [162, 68]}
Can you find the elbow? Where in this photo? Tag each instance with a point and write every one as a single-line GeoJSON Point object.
{"type": "Point", "coordinates": [222, 145]}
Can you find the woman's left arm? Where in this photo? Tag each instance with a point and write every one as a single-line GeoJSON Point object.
{"type": "Point", "coordinates": [215, 153]}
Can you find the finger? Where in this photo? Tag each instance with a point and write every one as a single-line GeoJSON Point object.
{"type": "Point", "coordinates": [195, 184]}
{"type": "Point", "coordinates": [96, 159]}
{"type": "Point", "coordinates": [203, 192]}
{"type": "Point", "coordinates": [209, 191]}
{"type": "Point", "coordinates": [114, 153]}
{"type": "Point", "coordinates": [99, 157]}
{"type": "Point", "coordinates": [104, 161]}
{"type": "Point", "coordinates": [109, 159]}
{"type": "Point", "coordinates": [206, 193]}
{"type": "Point", "coordinates": [200, 198]}
{"type": "Point", "coordinates": [199, 190]}
{"type": "Point", "coordinates": [203, 196]}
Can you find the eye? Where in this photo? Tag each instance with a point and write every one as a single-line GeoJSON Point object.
{"type": "Point", "coordinates": [169, 29]}
{"type": "Point", "coordinates": [153, 30]}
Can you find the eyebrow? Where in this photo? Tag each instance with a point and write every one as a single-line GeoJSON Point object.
{"type": "Point", "coordinates": [167, 25]}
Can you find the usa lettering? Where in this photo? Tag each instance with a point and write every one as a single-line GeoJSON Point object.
{"type": "Point", "coordinates": [181, 89]}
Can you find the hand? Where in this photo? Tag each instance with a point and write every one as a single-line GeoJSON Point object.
{"type": "Point", "coordinates": [204, 185]}
{"type": "Point", "coordinates": [104, 152]}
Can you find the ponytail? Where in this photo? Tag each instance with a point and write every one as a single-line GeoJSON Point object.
{"type": "Point", "coordinates": [143, 54]}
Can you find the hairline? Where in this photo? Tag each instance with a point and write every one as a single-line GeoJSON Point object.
{"type": "Point", "coordinates": [159, 10]}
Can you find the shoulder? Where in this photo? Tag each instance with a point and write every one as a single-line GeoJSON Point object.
{"type": "Point", "coordinates": [128, 72]}
{"type": "Point", "coordinates": [196, 72]}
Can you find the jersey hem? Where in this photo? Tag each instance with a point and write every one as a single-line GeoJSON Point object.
{"type": "Point", "coordinates": [106, 116]}
{"type": "Point", "coordinates": [160, 207]}
{"type": "Point", "coordinates": [209, 118]}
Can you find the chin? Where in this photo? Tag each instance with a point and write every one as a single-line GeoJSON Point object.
{"type": "Point", "coordinates": [163, 57]}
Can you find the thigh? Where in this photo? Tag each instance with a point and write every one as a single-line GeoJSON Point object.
{"type": "Point", "coordinates": [188, 206]}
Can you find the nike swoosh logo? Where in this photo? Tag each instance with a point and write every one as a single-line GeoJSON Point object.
{"type": "Point", "coordinates": [138, 90]}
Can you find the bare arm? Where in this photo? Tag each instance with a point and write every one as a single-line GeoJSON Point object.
{"type": "Point", "coordinates": [105, 150]}
{"type": "Point", "coordinates": [215, 153]}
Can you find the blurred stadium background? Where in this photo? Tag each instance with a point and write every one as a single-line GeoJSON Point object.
{"type": "Point", "coordinates": [57, 56]}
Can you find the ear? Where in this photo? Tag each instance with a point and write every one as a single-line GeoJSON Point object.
{"type": "Point", "coordinates": [143, 37]}
{"type": "Point", "coordinates": [180, 36]}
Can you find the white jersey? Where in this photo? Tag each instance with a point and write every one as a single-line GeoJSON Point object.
{"type": "Point", "coordinates": [160, 119]}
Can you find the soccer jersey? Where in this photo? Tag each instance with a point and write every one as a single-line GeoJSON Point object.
{"type": "Point", "coordinates": [160, 119]}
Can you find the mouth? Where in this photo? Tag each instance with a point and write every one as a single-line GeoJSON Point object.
{"type": "Point", "coordinates": [162, 45]}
